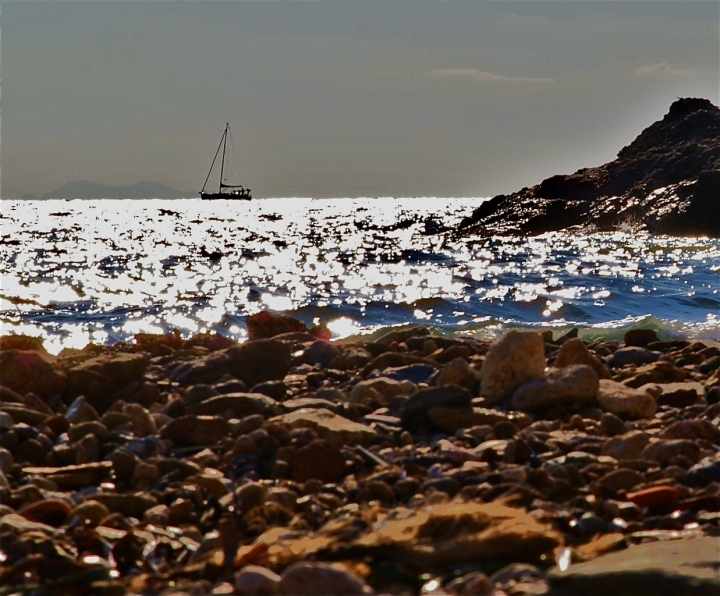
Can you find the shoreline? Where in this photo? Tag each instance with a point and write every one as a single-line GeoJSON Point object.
{"type": "Point", "coordinates": [349, 332]}
{"type": "Point", "coordinates": [289, 462]}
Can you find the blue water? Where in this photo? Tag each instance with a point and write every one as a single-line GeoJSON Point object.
{"type": "Point", "coordinates": [79, 271]}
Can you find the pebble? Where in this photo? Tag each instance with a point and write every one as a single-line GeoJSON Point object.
{"type": "Point", "coordinates": [611, 425]}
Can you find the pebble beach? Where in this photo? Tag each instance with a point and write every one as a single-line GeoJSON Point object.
{"type": "Point", "coordinates": [289, 463]}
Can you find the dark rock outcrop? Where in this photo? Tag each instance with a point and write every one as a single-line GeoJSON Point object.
{"type": "Point", "coordinates": [667, 181]}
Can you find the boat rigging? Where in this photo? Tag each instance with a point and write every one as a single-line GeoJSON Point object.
{"type": "Point", "coordinates": [225, 191]}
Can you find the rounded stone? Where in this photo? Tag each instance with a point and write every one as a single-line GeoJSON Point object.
{"type": "Point", "coordinates": [309, 579]}
{"type": "Point", "coordinates": [254, 580]}
{"type": "Point", "coordinates": [621, 479]}
{"type": "Point", "coordinates": [92, 511]}
{"type": "Point", "coordinates": [7, 461]}
{"type": "Point", "coordinates": [51, 512]}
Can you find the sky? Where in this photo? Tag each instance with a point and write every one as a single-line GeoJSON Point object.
{"type": "Point", "coordinates": [340, 98]}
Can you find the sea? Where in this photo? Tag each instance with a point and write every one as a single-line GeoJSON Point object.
{"type": "Point", "coordinates": [101, 271]}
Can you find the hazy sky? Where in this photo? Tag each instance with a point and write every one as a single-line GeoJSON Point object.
{"type": "Point", "coordinates": [341, 97]}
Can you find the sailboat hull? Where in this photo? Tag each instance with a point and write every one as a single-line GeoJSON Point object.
{"type": "Point", "coordinates": [232, 196]}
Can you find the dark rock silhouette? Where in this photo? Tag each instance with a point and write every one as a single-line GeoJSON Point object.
{"type": "Point", "coordinates": [667, 181]}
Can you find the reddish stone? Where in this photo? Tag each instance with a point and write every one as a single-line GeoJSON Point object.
{"type": "Point", "coordinates": [98, 378]}
{"type": "Point", "coordinates": [21, 342]}
{"type": "Point", "coordinates": [656, 496]}
{"type": "Point", "coordinates": [264, 325]}
{"type": "Point", "coordinates": [26, 371]}
{"type": "Point", "coordinates": [639, 337]}
{"type": "Point", "coordinates": [318, 459]}
{"type": "Point", "coordinates": [51, 512]}
{"type": "Point", "coordinates": [680, 398]}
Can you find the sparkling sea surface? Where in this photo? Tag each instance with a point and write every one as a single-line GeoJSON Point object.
{"type": "Point", "coordinates": [101, 271]}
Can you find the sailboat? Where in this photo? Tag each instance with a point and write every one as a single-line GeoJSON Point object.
{"type": "Point", "coordinates": [225, 191]}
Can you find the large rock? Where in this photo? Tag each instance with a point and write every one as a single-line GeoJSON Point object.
{"type": "Point", "coordinates": [27, 371]}
{"type": "Point", "coordinates": [380, 391]}
{"type": "Point", "coordinates": [692, 429]}
{"type": "Point", "coordinates": [238, 404]}
{"type": "Point", "coordinates": [258, 361]}
{"type": "Point", "coordinates": [680, 395]}
{"type": "Point", "coordinates": [458, 372]}
{"type": "Point", "coordinates": [457, 533]}
{"type": "Point", "coordinates": [449, 419]}
{"type": "Point", "coordinates": [318, 459]}
{"type": "Point", "coordinates": [252, 580]}
{"type": "Point", "coordinates": [665, 181]}
{"type": "Point", "coordinates": [80, 476]}
{"type": "Point", "coordinates": [129, 504]}
{"type": "Point", "coordinates": [657, 372]}
{"type": "Point", "coordinates": [98, 378]}
{"type": "Point", "coordinates": [664, 451]}
{"type": "Point", "coordinates": [574, 351]}
{"type": "Point", "coordinates": [202, 371]}
{"type": "Point", "coordinates": [665, 568]}
{"type": "Point", "coordinates": [627, 446]}
{"type": "Point", "coordinates": [413, 411]}
{"type": "Point", "coordinates": [252, 362]}
{"type": "Point", "coordinates": [330, 426]}
{"type": "Point", "coordinates": [576, 383]}
{"type": "Point", "coordinates": [195, 430]}
{"type": "Point", "coordinates": [512, 361]}
{"type": "Point", "coordinates": [264, 325]}
{"type": "Point", "coordinates": [622, 400]}
{"type": "Point", "coordinates": [632, 355]}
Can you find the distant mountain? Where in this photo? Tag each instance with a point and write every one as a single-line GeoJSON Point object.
{"type": "Point", "coordinates": [84, 189]}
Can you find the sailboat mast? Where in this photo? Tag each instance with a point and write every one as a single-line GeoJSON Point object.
{"type": "Point", "coordinates": [222, 163]}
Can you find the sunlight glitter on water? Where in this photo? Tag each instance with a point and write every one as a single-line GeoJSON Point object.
{"type": "Point", "coordinates": [76, 270]}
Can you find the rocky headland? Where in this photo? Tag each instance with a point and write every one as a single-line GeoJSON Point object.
{"type": "Point", "coordinates": [667, 181]}
{"type": "Point", "coordinates": [414, 463]}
